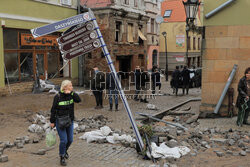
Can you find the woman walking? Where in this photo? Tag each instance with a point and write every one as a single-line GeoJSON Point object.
{"type": "Point", "coordinates": [62, 116]}
{"type": "Point", "coordinates": [243, 102]}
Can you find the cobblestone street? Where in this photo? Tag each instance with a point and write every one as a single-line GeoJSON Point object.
{"type": "Point", "coordinates": [115, 155]}
{"type": "Point", "coordinates": [101, 155]}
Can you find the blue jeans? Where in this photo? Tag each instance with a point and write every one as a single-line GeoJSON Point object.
{"type": "Point", "coordinates": [111, 94]}
{"type": "Point", "coordinates": [66, 138]}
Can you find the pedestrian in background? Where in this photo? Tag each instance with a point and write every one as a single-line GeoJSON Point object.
{"type": "Point", "coordinates": [185, 80]}
{"type": "Point", "coordinates": [144, 85]}
{"type": "Point", "coordinates": [112, 90]}
{"type": "Point", "coordinates": [62, 116]}
{"type": "Point", "coordinates": [176, 80]}
{"type": "Point", "coordinates": [97, 86]}
{"type": "Point", "coordinates": [156, 80]}
{"type": "Point", "coordinates": [137, 80]}
{"type": "Point", "coordinates": [243, 97]}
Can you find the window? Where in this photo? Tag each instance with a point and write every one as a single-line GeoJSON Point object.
{"type": "Point", "coordinates": [141, 35]}
{"type": "Point", "coordinates": [126, 2]}
{"type": "Point", "coordinates": [154, 59]}
{"type": "Point", "coordinates": [20, 51]}
{"type": "Point", "coordinates": [194, 44]}
{"type": "Point", "coordinates": [66, 2]}
{"type": "Point", "coordinates": [152, 26]}
{"type": "Point", "coordinates": [199, 43]}
{"type": "Point", "coordinates": [118, 31]}
{"type": "Point", "coordinates": [136, 3]}
{"type": "Point", "coordinates": [130, 32]}
{"type": "Point", "coordinates": [167, 13]}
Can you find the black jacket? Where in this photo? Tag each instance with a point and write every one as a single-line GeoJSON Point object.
{"type": "Point", "coordinates": [144, 78]}
{"type": "Point", "coordinates": [98, 81]}
{"type": "Point", "coordinates": [185, 76]}
{"type": "Point", "coordinates": [137, 79]}
{"type": "Point", "coordinates": [110, 82]}
{"type": "Point", "coordinates": [63, 104]}
{"type": "Point", "coordinates": [242, 91]}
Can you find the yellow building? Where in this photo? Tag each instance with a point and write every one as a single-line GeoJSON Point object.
{"type": "Point", "coordinates": [175, 26]}
{"type": "Point", "coordinates": [18, 49]}
{"type": "Point", "coordinates": [227, 42]}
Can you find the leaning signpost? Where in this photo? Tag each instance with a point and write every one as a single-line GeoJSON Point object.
{"type": "Point", "coordinates": [82, 39]}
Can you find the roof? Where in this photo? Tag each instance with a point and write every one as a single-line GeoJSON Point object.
{"type": "Point", "coordinates": [96, 3]}
{"type": "Point", "coordinates": [178, 12]}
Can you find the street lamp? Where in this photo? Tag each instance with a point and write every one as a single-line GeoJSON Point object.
{"type": "Point", "coordinates": [191, 8]}
{"type": "Point", "coordinates": [166, 70]}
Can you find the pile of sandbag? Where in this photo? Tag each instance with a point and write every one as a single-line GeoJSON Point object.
{"type": "Point", "coordinates": [105, 134]}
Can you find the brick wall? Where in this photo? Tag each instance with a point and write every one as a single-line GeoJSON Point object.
{"type": "Point", "coordinates": [25, 87]}
{"type": "Point", "coordinates": [106, 21]}
{"type": "Point", "coordinates": [225, 46]}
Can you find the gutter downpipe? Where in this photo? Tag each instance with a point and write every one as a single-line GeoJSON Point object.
{"type": "Point", "coordinates": [218, 9]}
{"type": "Point", "coordinates": [229, 81]}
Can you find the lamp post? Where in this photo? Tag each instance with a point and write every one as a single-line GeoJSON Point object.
{"type": "Point", "coordinates": [166, 69]}
{"type": "Point", "coordinates": [191, 8]}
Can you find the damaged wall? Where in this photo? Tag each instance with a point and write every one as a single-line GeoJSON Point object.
{"type": "Point", "coordinates": [227, 42]}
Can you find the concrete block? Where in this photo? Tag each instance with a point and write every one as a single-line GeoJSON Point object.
{"type": "Point", "coordinates": [216, 31]}
{"type": "Point", "coordinates": [238, 54]}
{"type": "Point", "coordinates": [227, 42]}
{"type": "Point", "coordinates": [215, 54]}
{"type": "Point", "coordinates": [208, 65]}
{"type": "Point", "coordinates": [41, 152]}
{"type": "Point", "coordinates": [224, 65]}
{"type": "Point", "coordinates": [236, 31]}
{"type": "Point", "coordinates": [210, 43]}
{"type": "Point", "coordinates": [3, 158]}
{"type": "Point", "coordinates": [245, 42]}
{"type": "Point", "coordinates": [19, 145]}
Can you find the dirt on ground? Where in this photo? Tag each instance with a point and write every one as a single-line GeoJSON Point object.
{"type": "Point", "coordinates": [16, 111]}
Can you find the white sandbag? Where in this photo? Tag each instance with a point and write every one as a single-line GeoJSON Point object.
{"type": "Point", "coordinates": [163, 151]}
{"type": "Point", "coordinates": [53, 91]}
{"type": "Point", "coordinates": [105, 130]}
{"type": "Point", "coordinates": [110, 139]}
{"type": "Point", "coordinates": [151, 107]}
{"type": "Point", "coordinates": [75, 125]}
{"type": "Point", "coordinates": [34, 128]}
{"type": "Point", "coordinates": [93, 136]}
{"type": "Point", "coordinates": [79, 92]}
{"type": "Point", "coordinates": [184, 150]}
{"type": "Point", "coordinates": [40, 118]}
{"type": "Point", "coordinates": [46, 126]}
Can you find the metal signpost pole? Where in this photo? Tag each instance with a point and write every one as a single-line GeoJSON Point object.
{"type": "Point", "coordinates": [117, 81]}
{"type": "Point", "coordinates": [80, 58]}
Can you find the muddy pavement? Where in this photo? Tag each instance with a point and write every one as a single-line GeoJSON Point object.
{"type": "Point", "coordinates": [212, 142]}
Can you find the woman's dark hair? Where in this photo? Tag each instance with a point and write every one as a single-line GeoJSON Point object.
{"type": "Point", "coordinates": [247, 70]}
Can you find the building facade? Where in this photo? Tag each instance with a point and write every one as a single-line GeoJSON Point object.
{"type": "Point", "coordinates": [21, 55]}
{"type": "Point", "coordinates": [227, 42]}
{"type": "Point", "coordinates": [123, 25]}
{"type": "Point", "coordinates": [153, 9]}
{"type": "Point", "coordinates": [174, 25]}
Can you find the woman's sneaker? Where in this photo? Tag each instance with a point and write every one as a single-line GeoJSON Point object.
{"type": "Point", "coordinates": [66, 155]}
{"type": "Point", "coordinates": [63, 161]}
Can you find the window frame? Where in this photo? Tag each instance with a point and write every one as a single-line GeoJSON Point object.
{"type": "Point", "coordinates": [167, 16]}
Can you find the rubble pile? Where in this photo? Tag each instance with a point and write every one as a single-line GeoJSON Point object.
{"type": "Point", "coordinates": [94, 122]}
{"type": "Point", "coordinates": [222, 142]}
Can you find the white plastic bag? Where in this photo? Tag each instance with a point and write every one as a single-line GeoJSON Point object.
{"type": "Point", "coordinates": [50, 138]}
